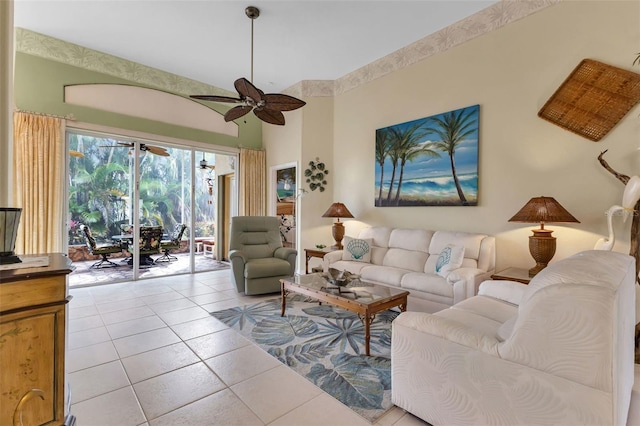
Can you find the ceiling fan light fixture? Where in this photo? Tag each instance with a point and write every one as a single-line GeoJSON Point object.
{"type": "Point", "coordinates": [267, 107]}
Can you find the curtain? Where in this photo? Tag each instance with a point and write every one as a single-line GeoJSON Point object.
{"type": "Point", "coordinates": [253, 187]}
{"type": "Point", "coordinates": [38, 177]}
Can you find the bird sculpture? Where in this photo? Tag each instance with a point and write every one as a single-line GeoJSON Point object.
{"type": "Point", "coordinates": [608, 242]}
{"type": "Point", "coordinates": [630, 197]}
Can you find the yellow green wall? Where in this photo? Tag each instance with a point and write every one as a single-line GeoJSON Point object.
{"type": "Point", "coordinates": [44, 66]}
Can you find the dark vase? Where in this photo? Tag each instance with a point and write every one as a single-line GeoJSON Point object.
{"type": "Point", "coordinates": [9, 221]}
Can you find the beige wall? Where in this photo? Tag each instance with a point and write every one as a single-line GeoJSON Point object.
{"type": "Point", "coordinates": [298, 143]}
{"type": "Point", "coordinates": [510, 73]}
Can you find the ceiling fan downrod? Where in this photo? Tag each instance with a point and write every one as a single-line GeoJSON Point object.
{"type": "Point", "coordinates": [252, 12]}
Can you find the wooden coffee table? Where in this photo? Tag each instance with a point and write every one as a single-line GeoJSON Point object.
{"type": "Point", "coordinates": [361, 297]}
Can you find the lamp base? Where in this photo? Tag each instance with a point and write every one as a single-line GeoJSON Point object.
{"type": "Point", "coordinates": [7, 260]}
{"type": "Point", "coordinates": [542, 247]}
{"type": "Point", "coordinates": [338, 234]}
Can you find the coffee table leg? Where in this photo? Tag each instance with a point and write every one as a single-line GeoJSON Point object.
{"type": "Point", "coordinates": [284, 300]}
{"type": "Point", "coordinates": [366, 321]}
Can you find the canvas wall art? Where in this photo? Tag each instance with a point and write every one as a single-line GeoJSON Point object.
{"type": "Point", "coordinates": [432, 161]}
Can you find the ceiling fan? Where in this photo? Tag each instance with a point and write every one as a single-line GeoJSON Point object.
{"type": "Point", "coordinates": [267, 107]}
{"type": "Point", "coordinates": [204, 165]}
{"type": "Point", "coordinates": [143, 147]}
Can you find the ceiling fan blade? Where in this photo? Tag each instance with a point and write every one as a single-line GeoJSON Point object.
{"type": "Point", "coordinates": [156, 150]}
{"type": "Point", "coordinates": [112, 146]}
{"type": "Point", "coordinates": [76, 154]}
{"type": "Point", "coordinates": [127, 144]}
{"type": "Point", "coordinates": [216, 98]}
{"type": "Point", "coordinates": [246, 89]}
{"type": "Point", "coordinates": [270, 116]}
{"type": "Point", "coordinates": [237, 112]}
{"type": "Point", "coordinates": [282, 102]}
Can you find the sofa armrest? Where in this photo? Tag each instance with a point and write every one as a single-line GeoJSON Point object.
{"type": "Point", "coordinates": [331, 257]}
{"type": "Point", "coordinates": [449, 330]}
{"type": "Point", "coordinates": [464, 282]}
{"type": "Point", "coordinates": [509, 291]}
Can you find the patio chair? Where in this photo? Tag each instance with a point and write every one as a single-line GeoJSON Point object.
{"type": "Point", "coordinates": [172, 244]}
{"type": "Point", "coordinates": [103, 250]}
{"type": "Point", "coordinates": [150, 237]}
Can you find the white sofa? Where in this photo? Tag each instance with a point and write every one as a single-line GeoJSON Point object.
{"type": "Point", "coordinates": [558, 351]}
{"type": "Point", "coordinates": [406, 258]}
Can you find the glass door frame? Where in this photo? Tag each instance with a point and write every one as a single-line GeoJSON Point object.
{"type": "Point", "coordinates": [137, 138]}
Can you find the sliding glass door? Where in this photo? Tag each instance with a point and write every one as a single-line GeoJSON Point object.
{"type": "Point", "coordinates": [156, 202]}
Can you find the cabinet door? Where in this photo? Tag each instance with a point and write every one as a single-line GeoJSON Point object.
{"type": "Point", "coordinates": [28, 359]}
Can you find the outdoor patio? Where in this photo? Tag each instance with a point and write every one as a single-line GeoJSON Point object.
{"type": "Point", "coordinates": [84, 275]}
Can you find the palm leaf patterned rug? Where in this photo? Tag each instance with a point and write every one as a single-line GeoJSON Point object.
{"type": "Point", "coordinates": [325, 344]}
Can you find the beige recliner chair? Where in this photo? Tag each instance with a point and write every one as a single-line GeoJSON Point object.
{"type": "Point", "coordinates": [258, 260]}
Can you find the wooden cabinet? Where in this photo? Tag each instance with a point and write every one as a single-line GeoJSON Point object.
{"type": "Point", "coordinates": [32, 343]}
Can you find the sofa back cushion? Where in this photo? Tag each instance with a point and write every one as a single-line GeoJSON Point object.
{"type": "Point", "coordinates": [379, 236]}
{"type": "Point", "coordinates": [408, 249]}
{"type": "Point", "coordinates": [440, 239]}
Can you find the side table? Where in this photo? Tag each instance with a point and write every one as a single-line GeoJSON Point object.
{"type": "Point", "coordinates": [309, 253]}
{"type": "Point", "coordinates": [520, 275]}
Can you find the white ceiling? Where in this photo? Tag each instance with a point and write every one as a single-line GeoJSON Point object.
{"type": "Point", "coordinates": [210, 41]}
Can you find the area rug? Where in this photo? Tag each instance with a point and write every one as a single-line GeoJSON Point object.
{"type": "Point", "coordinates": [324, 344]}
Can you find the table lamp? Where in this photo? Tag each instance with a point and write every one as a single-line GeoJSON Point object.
{"type": "Point", "coordinates": [9, 221]}
{"type": "Point", "coordinates": [337, 210]}
{"type": "Point", "coordinates": [542, 245]}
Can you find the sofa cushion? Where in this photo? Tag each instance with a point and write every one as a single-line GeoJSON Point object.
{"type": "Point", "coordinates": [488, 307]}
{"type": "Point", "coordinates": [506, 329]}
{"type": "Point", "coordinates": [471, 320]}
{"type": "Point", "coordinates": [440, 239]}
{"type": "Point", "coordinates": [405, 259]}
{"type": "Point", "coordinates": [384, 274]}
{"type": "Point", "coordinates": [432, 283]}
{"type": "Point", "coordinates": [357, 249]}
{"type": "Point", "coordinates": [411, 239]}
{"type": "Point", "coordinates": [349, 265]}
{"type": "Point", "coordinates": [450, 258]}
{"type": "Point", "coordinates": [380, 236]}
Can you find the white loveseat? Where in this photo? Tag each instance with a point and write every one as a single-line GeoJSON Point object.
{"type": "Point", "coordinates": [406, 258]}
{"type": "Point", "coordinates": [558, 351]}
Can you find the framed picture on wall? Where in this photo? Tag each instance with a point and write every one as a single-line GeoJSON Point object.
{"type": "Point", "coordinates": [432, 161]}
{"type": "Point", "coordinates": [285, 190]}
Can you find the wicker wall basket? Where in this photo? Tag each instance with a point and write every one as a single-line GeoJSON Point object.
{"type": "Point", "coordinates": [593, 99]}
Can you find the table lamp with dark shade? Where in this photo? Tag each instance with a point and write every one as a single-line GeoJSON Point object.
{"type": "Point", "coordinates": [9, 221]}
{"type": "Point", "coordinates": [542, 245]}
{"type": "Point", "coordinates": [338, 210]}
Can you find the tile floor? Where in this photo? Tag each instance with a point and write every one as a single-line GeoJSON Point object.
{"type": "Point", "coordinates": [149, 353]}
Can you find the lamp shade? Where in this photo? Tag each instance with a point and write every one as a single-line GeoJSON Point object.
{"type": "Point", "coordinates": [543, 210]}
{"type": "Point", "coordinates": [337, 210]}
{"type": "Point", "coordinates": [542, 245]}
{"type": "Point", "coordinates": [9, 221]}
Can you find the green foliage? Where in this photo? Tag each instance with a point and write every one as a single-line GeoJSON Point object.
{"type": "Point", "coordinates": [100, 189]}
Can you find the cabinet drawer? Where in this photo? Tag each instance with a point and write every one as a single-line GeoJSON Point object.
{"type": "Point", "coordinates": [37, 291]}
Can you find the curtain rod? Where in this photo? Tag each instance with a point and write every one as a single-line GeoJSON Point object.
{"type": "Point", "coordinates": [250, 149]}
{"type": "Point", "coordinates": [66, 117]}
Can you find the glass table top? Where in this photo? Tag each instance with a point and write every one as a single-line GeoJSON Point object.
{"type": "Point", "coordinates": [360, 290]}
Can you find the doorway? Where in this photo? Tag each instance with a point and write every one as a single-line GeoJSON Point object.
{"type": "Point", "coordinates": [168, 186]}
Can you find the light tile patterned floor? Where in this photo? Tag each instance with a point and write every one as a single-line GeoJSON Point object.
{"type": "Point", "coordinates": [149, 353]}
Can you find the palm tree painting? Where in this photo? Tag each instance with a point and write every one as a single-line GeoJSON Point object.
{"type": "Point", "coordinates": [431, 161]}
